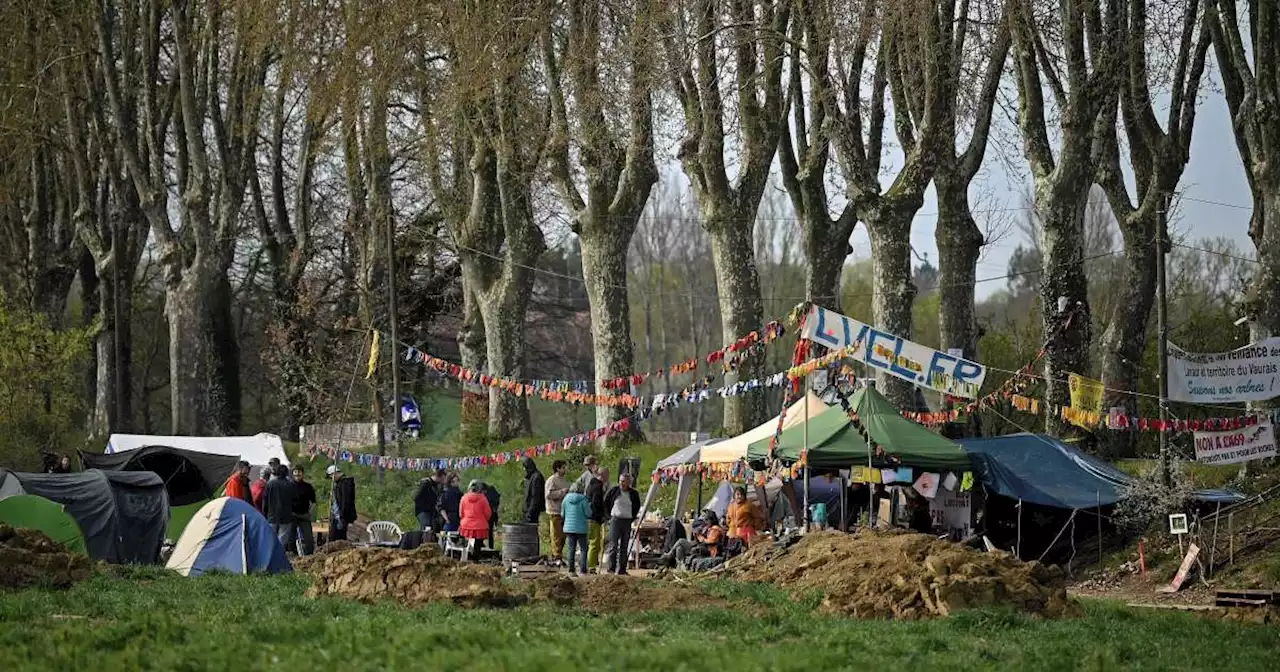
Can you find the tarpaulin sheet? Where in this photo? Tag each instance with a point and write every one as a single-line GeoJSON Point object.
{"type": "Point", "coordinates": [188, 476]}
{"type": "Point", "coordinates": [1043, 470]}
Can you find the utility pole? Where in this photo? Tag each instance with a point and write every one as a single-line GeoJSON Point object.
{"type": "Point", "coordinates": [393, 311]}
{"type": "Point", "coordinates": [1162, 327]}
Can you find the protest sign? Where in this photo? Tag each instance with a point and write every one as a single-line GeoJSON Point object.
{"type": "Point", "coordinates": [1251, 373]}
{"type": "Point", "coordinates": [1238, 445]}
{"type": "Point", "coordinates": [895, 355]}
{"type": "Point", "coordinates": [1086, 393]}
{"type": "Point", "coordinates": [951, 511]}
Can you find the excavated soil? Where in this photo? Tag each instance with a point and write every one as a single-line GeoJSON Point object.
{"type": "Point", "coordinates": [902, 575]}
{"type": "Point", "coordinates": [423, 576]}
{"type": "Point", "coordinates": [30, 558]}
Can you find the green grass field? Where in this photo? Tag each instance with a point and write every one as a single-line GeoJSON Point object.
{"type": "Point", "coordinates": [147, 619]}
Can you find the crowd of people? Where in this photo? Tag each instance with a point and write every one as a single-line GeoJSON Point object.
{"type": "Point", "coordinates": [288, 501]}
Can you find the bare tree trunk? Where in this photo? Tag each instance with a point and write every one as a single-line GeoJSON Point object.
{"type": "Point", "coordinates": [892, 294]}
{"type": "Point", "coordinates": [471, 349]}
{"type": "Point", "coordinates": [1125, 339]}
{"type": "Point", "coordinates": [113, 398]}
{"type": "Point", "coordinates": [201, 393]}
{"type": "Point", "coordinates": [959, 244]}
{"type": "Point", "coordinates": [1265, 292]}
{"type": "Point", "coordinates": [503, 308]}
{"type": "Point", "coordinates": [604, 268]}
{"type": "Point", "coordinates": [741, 312]}
{"type": "Point", "coordinates": [1068, 329]}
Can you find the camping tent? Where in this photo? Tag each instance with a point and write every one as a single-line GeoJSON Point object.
{"type": "Point", "coordinates": [257, 450]}
{"type": "Point", "coordinates": [689, 456]}
{"type": "Point", "coordinates": [228, 535]}
{"type": "Point", "coordinates": [1043, 470]}
{"type": "Point", "coordinates": [122, 514]}
{"type": "Point", "coordinates": [834, 442]}
{"type": "Point", "coordinates": [41, 514]}
{"type": "Point", "coordinates": [188, 476]}
{"type": "Point", "coordinates": [734, 449]}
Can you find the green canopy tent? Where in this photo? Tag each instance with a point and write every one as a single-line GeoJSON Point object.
{"type": "Point", "coordinates": [834, 442]}
{"type": "Point", "coordinates": [38, 513]}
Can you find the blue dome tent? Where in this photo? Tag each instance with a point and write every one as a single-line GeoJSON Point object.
{"type": "Point", "coordinates": [228, 535]}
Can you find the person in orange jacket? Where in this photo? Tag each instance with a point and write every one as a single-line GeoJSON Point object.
{"type": "Point", "coordinates": [744, 517]}
{"type": "Point", "coordinates": [259, 490]}
{"type": "Point", "coordinates": [474, 510]}
{"type": "Point", "coordinates": [237, 485]}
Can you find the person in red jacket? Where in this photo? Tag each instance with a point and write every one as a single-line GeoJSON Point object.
{"type": "Point", "coordinates": [474, 511]}
{"type": "Point", "coordinates": [238, 483]}
{"type": "Point", "coordinates": [259, 490]}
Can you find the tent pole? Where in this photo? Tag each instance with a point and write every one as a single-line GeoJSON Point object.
{"type": "Point", "coordinates": [805, 454]}
{"type": "Point", "coordinates": [1055, 539]}
{"type": "Point", "coordinates": [1098, 513]}
{"type": "Point", "coordinates": [1017, 549]}
{"type": "Point", "coordinates": [844, 523]}
{"type": "Point", "coordinates": [699, 492]}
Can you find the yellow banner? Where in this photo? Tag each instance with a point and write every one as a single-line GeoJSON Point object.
{"type": "Point", "coordinates": [374, 350]}
{"type": "Point", "coordinates": [1086, 393]}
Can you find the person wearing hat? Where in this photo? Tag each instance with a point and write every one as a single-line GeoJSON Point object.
{"type": "Point", "coordinates": [342, 503]}
{"type": "Point", "coordinates": [590, 465]}
{"type": "Point", "coordinates": [474, 512]}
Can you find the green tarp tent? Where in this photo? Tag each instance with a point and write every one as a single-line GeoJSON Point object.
{"type": "Point", "coordinates": [38, 513]}
{"type": "Point", "coordinates": [834, 443]}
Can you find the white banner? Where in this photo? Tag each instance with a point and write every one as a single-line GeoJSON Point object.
{"type": "Point", "coordinates": [1251, 373]}
{"type": "Point", "coordinates": [1238, 445]}
{"type": "Point", "coordinates": [895, 355]}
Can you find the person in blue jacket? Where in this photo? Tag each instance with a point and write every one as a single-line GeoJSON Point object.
{"type": "Point", "coordinates": [576, 509]}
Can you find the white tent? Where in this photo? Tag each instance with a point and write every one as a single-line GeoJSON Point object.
{"type": "Point", "coordinates": [732, 450]}
{"type": "Point", "coordinates": [257, 450]}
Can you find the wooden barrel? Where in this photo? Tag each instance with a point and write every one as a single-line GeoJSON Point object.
{"type": "Point", "coordinates": [520, 542]}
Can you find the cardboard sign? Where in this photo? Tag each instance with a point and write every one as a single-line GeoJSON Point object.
{"type": "Point", "coordinates": [1237, 445]}
{"type": "Point", "coordinates": [952, 512]}
{"type": "Point", "coordinates": [1251, 373]}
{"type": "Point", "coordinates": [895, 355]}
{"type": "Point", "coordinates": [1181, 576]}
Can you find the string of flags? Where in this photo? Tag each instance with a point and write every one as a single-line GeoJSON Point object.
{"type": "Point", "coordinates": [661, 404]}
{"type": "Point", "coordinates": [729, 357]}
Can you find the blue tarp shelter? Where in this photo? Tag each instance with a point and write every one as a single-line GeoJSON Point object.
{"type": "Point", "coordinates": [228, 535]}
{"type": "Point", "coordinates": [1043, 470]}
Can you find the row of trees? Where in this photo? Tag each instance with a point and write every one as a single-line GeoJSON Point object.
{"type": "Point", "coordinates": [250, 159]}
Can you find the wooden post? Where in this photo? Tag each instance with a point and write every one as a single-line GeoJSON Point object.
{"type": "Point", "coordinates": [1097, 513]}
{"type": "Point", "coordinates": [1231, 531]}
{"type": "Point", "coordinates": [1213, 547]}
{"type": "Point", "coordinates": [1017, 548]}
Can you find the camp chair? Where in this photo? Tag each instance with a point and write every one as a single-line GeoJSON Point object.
{"type": "Point", "coordinates": [381, 531]}
{"type": "Point", "coordinates": [456, 543]}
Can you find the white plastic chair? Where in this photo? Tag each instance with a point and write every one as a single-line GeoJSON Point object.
{"type": "Point", "coordinates": [384, 531]}
{"type": "Point", "coordinates": [456, 543]}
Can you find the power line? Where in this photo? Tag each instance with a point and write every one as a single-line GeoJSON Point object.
{"type": "Point", "coordinates": [1216, 252]}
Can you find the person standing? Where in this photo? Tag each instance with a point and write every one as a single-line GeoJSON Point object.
{"type": "Point", "coordinates": [590, 465]}
{"type": "Point", "coordinates": [426, 503]}
{"type": "Point", "coordinates": [278, 504]}
{"type": "Point", "coordinates": [342, 503]}
{"type": "Point", "coordinates": [474, 512]}
{"type": "Point", "coordinates": [557, 488]}
{"type": "Point", "coordinates": [623, 504]}
{"type": "Point", "coordinates": [304, 502]}
{"type": "Point", "coordinates": [577, 512]}
{"type": "Point", "coordinates": [495, 503]}
{"type": "Point", "coordinates": [595, 525]}
{"type": "Point", "coordinates": [535, 498]}
{"type": "Point", "coordinates": [450, 501]}
{"type": "Point", "coordinates": [237, 485]}
{"type": "Point", "coordinates": [744, 516]}
{"type": "Point", "coordinates": [259, 489]}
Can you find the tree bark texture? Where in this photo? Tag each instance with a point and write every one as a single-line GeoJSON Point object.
{"type": "Point", "coordinates": [1061, 208]}
{"type": "Point", "coordinates": [741, 312]}
{"type": "Point", "coordinates": [204, 397]}
{"type": "Point", "coordinates": [892, 295]}
{"type": "Point", "coordinates": [471, 348]}
{"type": "Point", "coordinates": [604, 268]}
{"type": "Point", "coordinates": [1125, 340]}
{"type": "Point", "coordinates": [113, 397]}
{"type": "Point", "coordinates": [959, 244]}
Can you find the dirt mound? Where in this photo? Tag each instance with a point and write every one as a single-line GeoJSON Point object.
{"type": "Point", "coordinates": [904, 575]}
{"type": "Point", "coordinates": [422, 576]}
{"type": "Point", "coordinates": [30, 558]}
{"type": "Point", "coordinates": [335, 546]}
{"type": "Point", "coordinates": [414, 577]}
